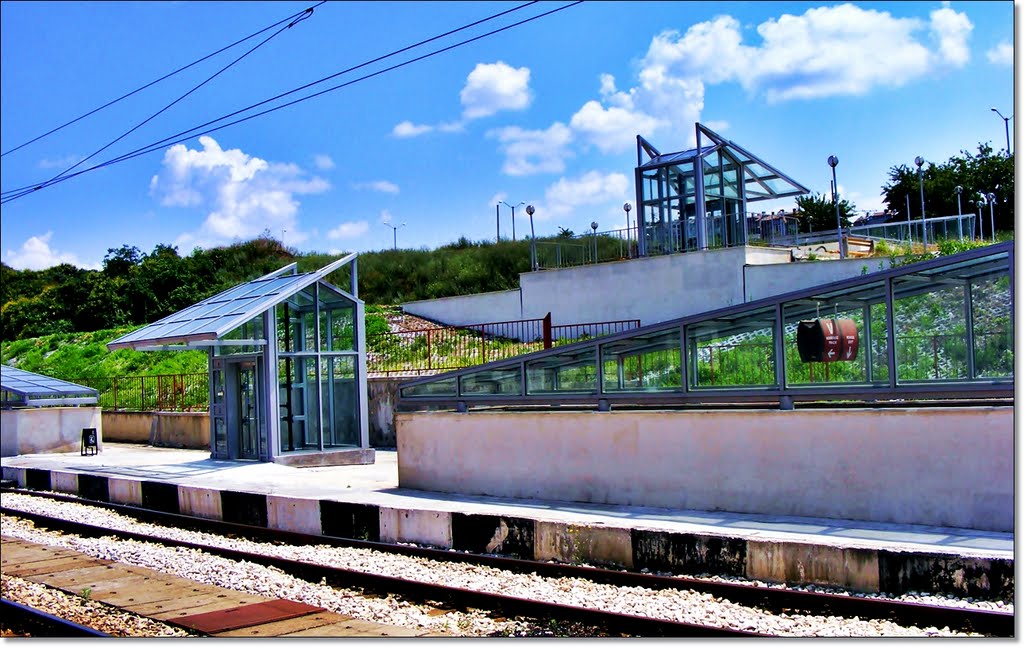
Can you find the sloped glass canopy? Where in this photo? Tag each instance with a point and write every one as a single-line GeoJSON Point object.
{"type": "Point", "coordinates": [938, 329]}
{"type": "Point", "coordinates": [25, 388]}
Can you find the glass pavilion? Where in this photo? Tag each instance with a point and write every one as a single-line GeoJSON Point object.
{"type": "Point", "coordinates": [26, 389]}
{"type": "Point", "coordinates": [938, 329]}
{"type": "Point", "coordinates": [287, 366]}
{"type": "Point", "coordinates": [697, 199]}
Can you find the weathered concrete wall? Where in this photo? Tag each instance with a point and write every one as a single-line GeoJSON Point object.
{"type": "Point", "coordinates": [470, 309]}
{"type": "Point", "coordinates": [185, 430]}
{"type": "Point", "coordinates": [768, 280]}
{"type": "Point", "coordinates": [47, 429]}
{"type": "Point", "coordinates": [383, 396]}
{"type": "Point", "coordinates": [940, 467]}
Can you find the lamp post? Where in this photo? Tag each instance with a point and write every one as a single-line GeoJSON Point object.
{"type": "Point", "coordinates": [991, 197]}
{"type": "Point", "coordinates": [959, 213]}
{"type": "Point", "coordinates": [980, 202]}
{"type": "Point", "coordinates": [533, 239]}
{"type": "Point", "coordinates": [1006, 124]}
{"type": "Point", "coordinates": [924, 221]}
{"type": "Point", "coordinates": [394, 233]}
{"type": "Point", "coordinates": [629, 232]}
{"type": "Point", "coordinates": [513, 216]}
{"type": "Point", "coordinates": [833, 161]}
{"type": "Point", "coordinates": [497, 222]}
{"type": "Point", "coordinates": [593, 226]}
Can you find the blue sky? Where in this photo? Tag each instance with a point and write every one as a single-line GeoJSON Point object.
{"type": "Point", "coordinates": [544, 113]}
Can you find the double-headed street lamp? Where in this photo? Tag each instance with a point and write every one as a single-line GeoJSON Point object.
{"type": "Point", "coordinates": [513, 208]}
{"type": "Point", "coordinates": [1006, 124]}
{"type": "Point", "coordinates": [394, 232]}
{"type": "Point", "coordinates": [833, 161]}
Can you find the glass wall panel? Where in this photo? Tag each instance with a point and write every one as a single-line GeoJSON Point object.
{"type": "Point", "coordinates": [340, 411]}
{"type": "Point", "coordinates": [855, 320]}
{"type": "Point", "coordinates": [650, 362]}
{"type": "Point", "coordinates": [993, 327]}
{"type": "Point", "coordinates": [307, 370]}
{"type": "Point", "coordinates": [570, 372]}
{"type": "Point", "coordinates": [252, 329]}
{"type": "Point", "coordinates": [292, 403]}
{"type": "Point", "coordinates": [930, 326]}
{"type": "Point", "coordinates": [445, 387]}
{"type": "Point", "coordinates": [734, 351]}
{"type": "Point", "coordinates": [499, 381]}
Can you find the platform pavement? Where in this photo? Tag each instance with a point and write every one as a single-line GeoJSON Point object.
{"type": "Point", "coordinates": [365, 501]}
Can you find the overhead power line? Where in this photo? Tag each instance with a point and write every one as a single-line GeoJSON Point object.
{"type": "Point", "coordinates": [189, 134]}
{"type": "Point", "coordinates": [152, 83]}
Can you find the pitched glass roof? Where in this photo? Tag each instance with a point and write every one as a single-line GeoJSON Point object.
{"type": "Point", "coordinates": [33, 385]}
{"type": "Point", "coordinates": [218, 315]}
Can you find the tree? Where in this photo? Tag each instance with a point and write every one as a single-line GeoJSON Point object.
{"type": "Point", "coordinates": [817, 213]}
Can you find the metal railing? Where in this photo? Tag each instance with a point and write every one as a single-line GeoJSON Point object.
{"type": "Point", "coordinates": [179, 392]}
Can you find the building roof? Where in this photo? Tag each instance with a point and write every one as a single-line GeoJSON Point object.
{"type": "Point", "coordinates": [211, 319]}
{"type": "Point", "coordinates": [34, 389]}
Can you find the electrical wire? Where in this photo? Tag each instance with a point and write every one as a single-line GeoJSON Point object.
{"type": "Point", "coordinates": [306, 14]}
{"type": "Point", "coordinates": [189, 134]}
{"type": "Point", "coordinates": [152, 83]}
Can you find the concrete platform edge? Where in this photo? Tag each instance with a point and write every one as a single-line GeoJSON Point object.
{"type": "Point", "coordinates": [691, 553]}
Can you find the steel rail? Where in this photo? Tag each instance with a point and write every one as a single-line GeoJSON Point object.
{"type": "Point", "coordinates": [773, 599]}
{"type": "Point", "coordinates": [44, 625]}
{"type": "Point", "coordinates": [423, 591]}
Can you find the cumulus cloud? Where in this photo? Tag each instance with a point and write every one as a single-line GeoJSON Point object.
{"type": "Point", "coordinates": [347, 230]}
{"type": "Point", "coordinates": [951, 29]}
{"type": "Point", "coordinates": [593, 188]}
{"type": "Point", "coordinates": [1001, 54]}
{"type": "Point", "coordinates": [243, 195]}
{"type": "Point", "coordinates": [534, 151]}
{"type": "Point", "coordinates": [612, 129]}
{"type": "Point", "coordinates": [381, 186]}
{"type": "Point", "coordinates": [323, 162]}
{"type": "Point", "coordinates": [492, 87]}
{"type": "Point", "coordinates": [36, 254]}
{"type": "Point", "coordinates": [408, 129]}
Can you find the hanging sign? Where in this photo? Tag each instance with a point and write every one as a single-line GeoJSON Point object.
{"type": "Point", "coordinates": [827, 340]}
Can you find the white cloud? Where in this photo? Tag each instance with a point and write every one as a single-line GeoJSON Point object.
{"type": "Point", "coordinates": [492, 87]}
{"type": "Point", "coordinates": [323, 162]}
{"type": "Point", "coordinates": [60, 162]}
{"type": "Point", "coordinates": [534, 151]}
{"type": "Point", "coordinates": [36, 254]}
{"type": "Point", "coordinates": [244, 195]}
{"type": "Point", "coordinates": [612, 129]}
{"type": "Point", "coordinates": [1001, 54]}
{"type": "Point", "coordinates": [592, 188]}
{"type": "Point", "coordinates": [348, 230]}
{"type": "Point", "coordinates": [952, 30]}
{"type": "Point", "coordinates": [408, 129]}
{"type": "Point", "coordinates": [381, 186]}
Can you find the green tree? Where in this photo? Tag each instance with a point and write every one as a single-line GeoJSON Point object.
{"type": "Point", "coordinates": [818, 213]}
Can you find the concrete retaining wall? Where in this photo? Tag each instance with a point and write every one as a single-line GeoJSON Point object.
{"type": "Point", "coordinates": [186, 430]}
{"type": "Point", "coordinates": [938, 467]}
{"type": "Point", "coordinates": [862, 569]}
{"type": "Point", "coordinates": [383, 396]}
{"type": "Point", "coordinates": [470, 309]}
{"type": "Point", "coordinates": [47, 429]}
{"type": "Point", "coordinates": [766, 280]}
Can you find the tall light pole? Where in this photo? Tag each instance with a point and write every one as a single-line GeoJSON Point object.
{"type": "Point", "coordinates": [533, 239]}
{"type": "Point", "coordinates": [394, 233]}
{"type": "Point", "coordinates": [980, 202]}
{"type": "Point", "coordinates": [497, 222]}
{"type": "Point", "coordinates": [991, 197]}
{"type": "Point", "coordinates": [959, 212]}
{"type": "Point", "coordinates": [1006, 124]}
{"type": "Point", "coordinates": [833, 161]}
{"type": "Point", "coordinates": [629, 249]}
{"type": "Point", "coordinates": [513, 216]}
{"type": "Point", "coordinates": [593, 226]}
{"type": "Point", "coordinates": [924, 221]}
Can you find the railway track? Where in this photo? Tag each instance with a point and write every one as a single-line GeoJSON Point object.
{"type": "Point", "coordinates": [25, 620]}
{"type": "Point", "coordinates": [776, 600]}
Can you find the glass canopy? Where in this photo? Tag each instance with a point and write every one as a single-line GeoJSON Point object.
{"type": "Point", "coordinates": [697, 199]}
{"type": "Point", "coordinates": [25, 388]}
{"type": "Point", "coordinates": [938, 329]}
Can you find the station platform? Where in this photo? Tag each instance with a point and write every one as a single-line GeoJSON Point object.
{"type": "Point", "coordinates": [365, 502]}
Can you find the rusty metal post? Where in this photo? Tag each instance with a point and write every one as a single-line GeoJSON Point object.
{"type": "Point", "coordinates": [547, 330]}
{"type": "Point", "coordinates": [429, 360]}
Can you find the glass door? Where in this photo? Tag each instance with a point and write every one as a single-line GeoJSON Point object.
{"type": "Point", "coordinates": [248, 410]}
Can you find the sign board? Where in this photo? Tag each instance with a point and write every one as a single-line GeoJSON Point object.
{"type": "Point", "coordinates": [827, 340]}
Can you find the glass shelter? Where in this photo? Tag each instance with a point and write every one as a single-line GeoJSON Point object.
{"type": "Point", "coordinates": [940, 329]}
{"type": "Point", "coordinates": [287, 366]}
{"type": "Point", "coordinates": [697, 199]}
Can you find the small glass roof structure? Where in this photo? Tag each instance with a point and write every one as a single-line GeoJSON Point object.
{"type": "Point", "coordinates": [940, 329]}
{"type": "Point", "coordinates": [208, 321]}
{"type": "Point", "coordinates": [24, 388]}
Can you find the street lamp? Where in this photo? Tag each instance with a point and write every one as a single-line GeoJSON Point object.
{"type": "Point", "coordinates": [959, 212]}
{"type": "Point", "coordinates": [1006, 124]}
{"type": "Point", "coordinates": [629, 249]}
{"type": "Point", "coordinates": [991, 197]}
{"type": "Point", "coordinates": [533, 239]}
{"type": "Point", "coordinates": [833, 161]}
{"type": "Point", "coordinates": [980, 202]}
{"type": "Point", "coordinates": [394, 232]}
{"type": "Point", "coordinates": [593, 226]}
{"type": "Point", "coordinates": [924, 221]}
{"type": "Point", "coordinates": [497, 222]}
{"type": "Point", "coordinates": [513, 216]}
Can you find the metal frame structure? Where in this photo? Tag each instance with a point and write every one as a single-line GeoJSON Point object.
{"type": "Point", "coordinates": [287, 357]}
{"type": "Point", "coordinates": [27, 389]}
{"type": "Point", "coordinates": [708, 187]}
{"type": "Point", "coordinates": [886, 304]}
